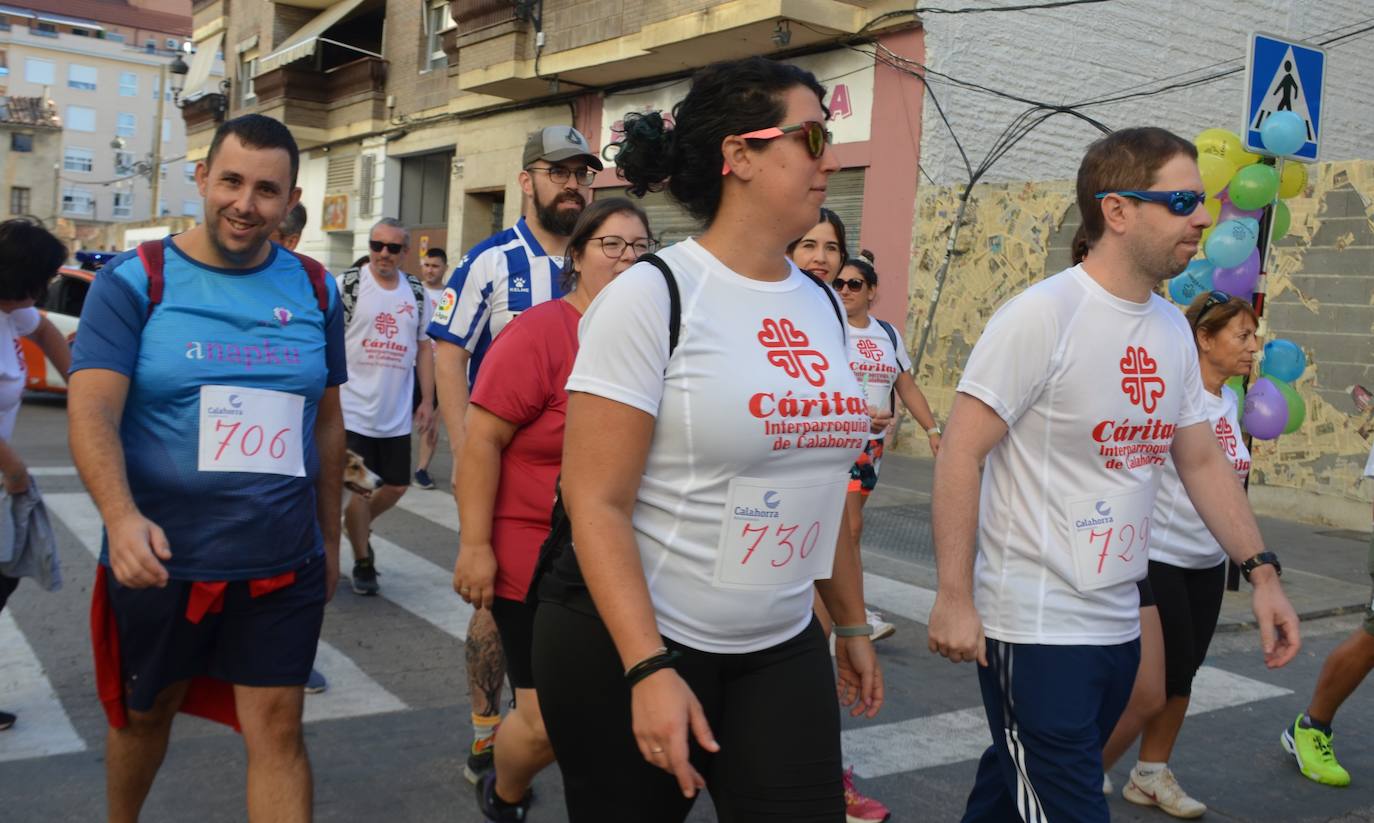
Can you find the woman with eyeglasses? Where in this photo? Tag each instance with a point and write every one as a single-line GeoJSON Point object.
{"type": "Point", "coordinates": [1187, 573]}
{"type": "Point", "coordinates": [707, 448]}
{"type": "Point", "coordinates": [507, 471]}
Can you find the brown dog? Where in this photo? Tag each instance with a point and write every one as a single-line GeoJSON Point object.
{"type": "Point", "coordinates": [358, 478]}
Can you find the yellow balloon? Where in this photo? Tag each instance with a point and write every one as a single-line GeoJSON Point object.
{"type": "Point", "coordinates": [1224, 144]}
{"type": "Point", "coordinates": [1213, 207]}
{"type": "Point", "coordinates": [1293, 180]}
{"type": "Point", "coordinates": [1216, 173]}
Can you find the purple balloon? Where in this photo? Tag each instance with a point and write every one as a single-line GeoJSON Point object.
{"type": "Point", "coordinates": [1266, 410]}
{"type": "Point", "coordinates": [1229, 211]}
{"type": "Point", "coordinates": [1239, 281]}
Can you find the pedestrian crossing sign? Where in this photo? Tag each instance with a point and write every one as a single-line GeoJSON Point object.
{"type": "Point", "coordinates": [1284, 75]}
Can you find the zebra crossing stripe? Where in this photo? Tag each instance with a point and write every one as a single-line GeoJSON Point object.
{"type": "Point", "coordinates": [352, 693]}
{"type": "Point", "coordinates": [434, 505]}
{"type": "Point", "coordinates": [420, 587]}
{"type": "Point", "coordinates": [43, 727]}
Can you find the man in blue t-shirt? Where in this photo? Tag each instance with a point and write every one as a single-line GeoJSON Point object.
{"type": "Point", "coordinates": [205, 422]}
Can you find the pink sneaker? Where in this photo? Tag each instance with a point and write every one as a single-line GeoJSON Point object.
{"type": "Point", "coordinates": [860, 809]}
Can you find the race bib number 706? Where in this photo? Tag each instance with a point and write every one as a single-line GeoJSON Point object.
{"type": "Point", "coordinates": [251, 430]}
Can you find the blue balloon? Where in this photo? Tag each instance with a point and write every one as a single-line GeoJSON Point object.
{"type": "Point", "coordinates": [1283, 133]}
{"type": "Point", "coordinates": [1231, 242]}
{"type": "Point", "coordinates": [1191, 282]}
{"type": "Point", "coordinates": [1283, 360]}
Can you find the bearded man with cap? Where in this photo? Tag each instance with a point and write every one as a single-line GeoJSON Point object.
{"type": "Point", "coordinates": [509, 272]}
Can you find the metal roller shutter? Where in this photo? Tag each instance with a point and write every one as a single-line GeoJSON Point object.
{"type": "Point", "coordinates": [845, 196]}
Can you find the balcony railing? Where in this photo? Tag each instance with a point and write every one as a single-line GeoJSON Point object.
{"type": "Point", "coordinates": [342, 96]}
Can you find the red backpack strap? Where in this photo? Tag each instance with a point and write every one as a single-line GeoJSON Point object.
{"type": "Point", "coordinates": [315, 271]}
{"type": "Point", "coordinates": [150, 252]}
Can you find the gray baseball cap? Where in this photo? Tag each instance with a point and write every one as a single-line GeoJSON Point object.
{"type": "Point", "coordinates": [555, 143]}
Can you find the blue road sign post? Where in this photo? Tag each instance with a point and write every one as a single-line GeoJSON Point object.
{"type": "Point", "coordinates": [1284, 75]}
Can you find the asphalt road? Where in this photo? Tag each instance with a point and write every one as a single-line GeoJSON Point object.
{"type": "Point", "coordinates": [388, 740]}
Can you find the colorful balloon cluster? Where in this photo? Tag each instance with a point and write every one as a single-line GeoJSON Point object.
{"type": "Point", "coordinates": [1239, 187]}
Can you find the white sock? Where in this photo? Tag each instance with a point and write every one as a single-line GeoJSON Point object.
{"type": "Point", "coordinates": [1147, 770]}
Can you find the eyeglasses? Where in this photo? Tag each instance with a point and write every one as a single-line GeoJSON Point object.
{"type": "Point", "coordinates": [1181, 203]}
{"type": "Point", "coordinates": [854, 284]}
{"type": "Point", "coordinates": [817, 137]}
{"type": "Point", "coordinates": [1215, 298]}
{"type": "Point", "coordinates": [377, 245]}
{"type": "Point", "coordinates": [560, 174]}
{"type": "Point", "coordinates": [613, 246]}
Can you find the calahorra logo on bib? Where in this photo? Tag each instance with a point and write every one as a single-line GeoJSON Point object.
{"type": "Point", "coordinates": [1140, 379]}
{"type": "Point", "coordinates": [790, 349]}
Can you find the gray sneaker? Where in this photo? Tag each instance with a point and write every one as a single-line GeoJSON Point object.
{"type": "Point", "coordinates": [316, 684]}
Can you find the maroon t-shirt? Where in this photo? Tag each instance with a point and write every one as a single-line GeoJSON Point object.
{"type": "Point", "coordinates": [522, 382]}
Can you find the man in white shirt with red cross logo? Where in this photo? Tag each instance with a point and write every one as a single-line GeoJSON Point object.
{"type": "Point", "coordinates": [1078, 391]}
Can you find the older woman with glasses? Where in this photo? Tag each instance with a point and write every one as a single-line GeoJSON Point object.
{"type": "Point", "coordinates": [1187, 568]}
{"type": "Point", "coordinates": [507, 471]}
{"type": "Point", "coordinates": [711, 423]}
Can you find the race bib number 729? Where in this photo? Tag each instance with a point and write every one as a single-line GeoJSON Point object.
{"type": "Point", "coordinates": [251, 430]}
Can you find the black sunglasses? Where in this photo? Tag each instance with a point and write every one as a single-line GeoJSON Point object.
{"type": "Point", "coordinates": [377, 245]}
{"type": "Point", "coordinates": [1215, 298]}
{"type": "Point", "coordinates": [1181, 203]}
{"type": "Point", "coordinates": [854, 284]}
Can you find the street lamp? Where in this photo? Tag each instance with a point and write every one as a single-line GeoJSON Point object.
{"type": "Point", "coordinates": [216, 101]}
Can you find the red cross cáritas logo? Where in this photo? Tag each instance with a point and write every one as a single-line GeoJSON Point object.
{"type": "Point", "coordinates": [1226, 436]}
{"type": "Point", "coordinates": [789, 349]}
{"type": "Point", "coordinates": [869, 349]}
{"type": "Point", "coordinates": [1140, 379]}
{"type": "Point", "coordinates": [385, 325]}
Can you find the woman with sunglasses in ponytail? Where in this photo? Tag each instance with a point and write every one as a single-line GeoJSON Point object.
{"type": "Point", "coordinates": [711, 422]}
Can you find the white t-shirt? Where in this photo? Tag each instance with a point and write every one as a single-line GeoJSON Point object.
{"type": "Point", "coordinates": [757, 388]}
{"type": "Point", "coordinates": [1177, 535]}
{"type": "Point", "coordinates": [434, 295]}
{"type": "Point", "coordinates": [1092, 388]}
{"type": "Point", "coordinates": [876, 363]}
{"type": "Point", "coordinates": [381, 343]}
{"type": "Point", "coordinates": [13, 372]}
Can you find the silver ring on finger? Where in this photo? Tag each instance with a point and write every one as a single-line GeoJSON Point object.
{"type": "Point", "coordinates": [656, 751]}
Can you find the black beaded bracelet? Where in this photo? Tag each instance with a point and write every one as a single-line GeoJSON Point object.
{"type": "Point", "coordinates": [649, 665]}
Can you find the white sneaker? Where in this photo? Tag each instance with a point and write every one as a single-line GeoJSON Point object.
{"type": "Point", "coordinates": [1162, 790]}
{"type": "Point", "coordinates": [881, 628]}
{"type": "Point", "coordinates": [1107, 788]}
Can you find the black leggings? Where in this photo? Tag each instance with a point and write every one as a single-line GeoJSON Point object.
{"type": "Point", "coordinates": [1189, 603]}
{"type": "Point", "coordinates": [774, 713]}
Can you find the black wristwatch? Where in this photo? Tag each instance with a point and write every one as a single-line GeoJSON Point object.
{"type": "Point", "coordinates": [1261, 559]}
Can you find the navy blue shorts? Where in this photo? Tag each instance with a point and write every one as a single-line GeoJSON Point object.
{"type": "Point", "coordinates": [1050, 710]}
{"type": "Point", "coordinates": [255, 641]}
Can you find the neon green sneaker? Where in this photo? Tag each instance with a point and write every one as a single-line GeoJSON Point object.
{"type": "Point", "coordinates": [1311, 748]}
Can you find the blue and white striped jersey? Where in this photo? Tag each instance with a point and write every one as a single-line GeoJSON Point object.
{"type": "Point", "coordinates": [495, 281]}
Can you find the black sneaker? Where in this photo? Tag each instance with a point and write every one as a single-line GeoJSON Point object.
{"type": "Point", "coordinates": [6, 720]}
{"type": "Point", "coordinates": [493, 808]}
{"type": "Point", "coordinates": [481, 758]}
{"type": "Point", "coordinates": [365, 575]}
{"type": "Point", "coordinates": [423, 480]}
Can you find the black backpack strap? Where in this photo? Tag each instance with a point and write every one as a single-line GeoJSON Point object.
{"type": "Point", "coordinates": [830, 295]}
{"type": "Point", "coordinates": [674, 299]}
{"type": "Point", "coordinates": [891, 334]}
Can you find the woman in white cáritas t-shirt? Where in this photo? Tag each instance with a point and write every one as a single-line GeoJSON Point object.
{"type": "Point", "coordinates": [29, 258]}
{"type": "Point", "coordinates": [1187, 566]}
{"type": "Point", "coordinates": [705, 485]}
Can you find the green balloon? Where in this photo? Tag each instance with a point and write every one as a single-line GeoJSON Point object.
{"type": "Point", "coordinates": [1297, 407]}
{"type": "Point", "coordinates": [1283, 218]}
{"type": "Point", "coordinates": [1254, 187]}
{"type": "Point", "coordinates": [1237, 385]}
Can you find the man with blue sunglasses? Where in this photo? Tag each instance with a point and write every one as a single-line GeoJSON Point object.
{"type": "Point", "coordinates": [1078, 391]}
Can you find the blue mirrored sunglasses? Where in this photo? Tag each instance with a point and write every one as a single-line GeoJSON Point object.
{"type": "Point", "coordinates": [1182, 203]}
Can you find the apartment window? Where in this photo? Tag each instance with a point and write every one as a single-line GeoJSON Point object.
{"type": "Point", "coordinates": [114, 37]}
{"type": "Point", "coordinates": [171, 44]}
{"type": "Point", "coordinates": [150, 45]}
{"type": "Point", "coordinates": [21, 142]}
{"type": "Point", "coordinates": [189, 169]}
{"type": "Point", "coordinates": [80, 118]}
{"type": "Point", "coordinates": [39, 72]}
{"type": "Point", "coordinates": [81, 77]}
{"type": "Point", "coordinates": [437, 20]}
{"type": "Point", "coordinates": [20, 199]}
{"type": "Point", "coordinates": [190, 208]}
{"type": "Point", "coordinates": [124, 204]}
{"type": "Point", "coordinates": [124, 160]}
{"type": "Point", "coordinates": [247, 68]}
{"type": "Point", "coordinates": [77, 201]}
{"type": "Point", "coordinates": [43, 30]}
{"type": "Point", "coordinates": [128, 84]}
{"type": "Point", "coordinates": [81, 32]}
{"type": "Point", "coordinates": [4, 63]}
{"type": "Point", "coordinates": [74, 159]}
{"type": "Point", "coordinates": [125, 126]}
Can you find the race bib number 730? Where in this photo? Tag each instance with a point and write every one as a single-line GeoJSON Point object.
{"type": "Point", "coordinates": [777, 532]}
{"type": "Point", "coordinates": [251, 430]}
